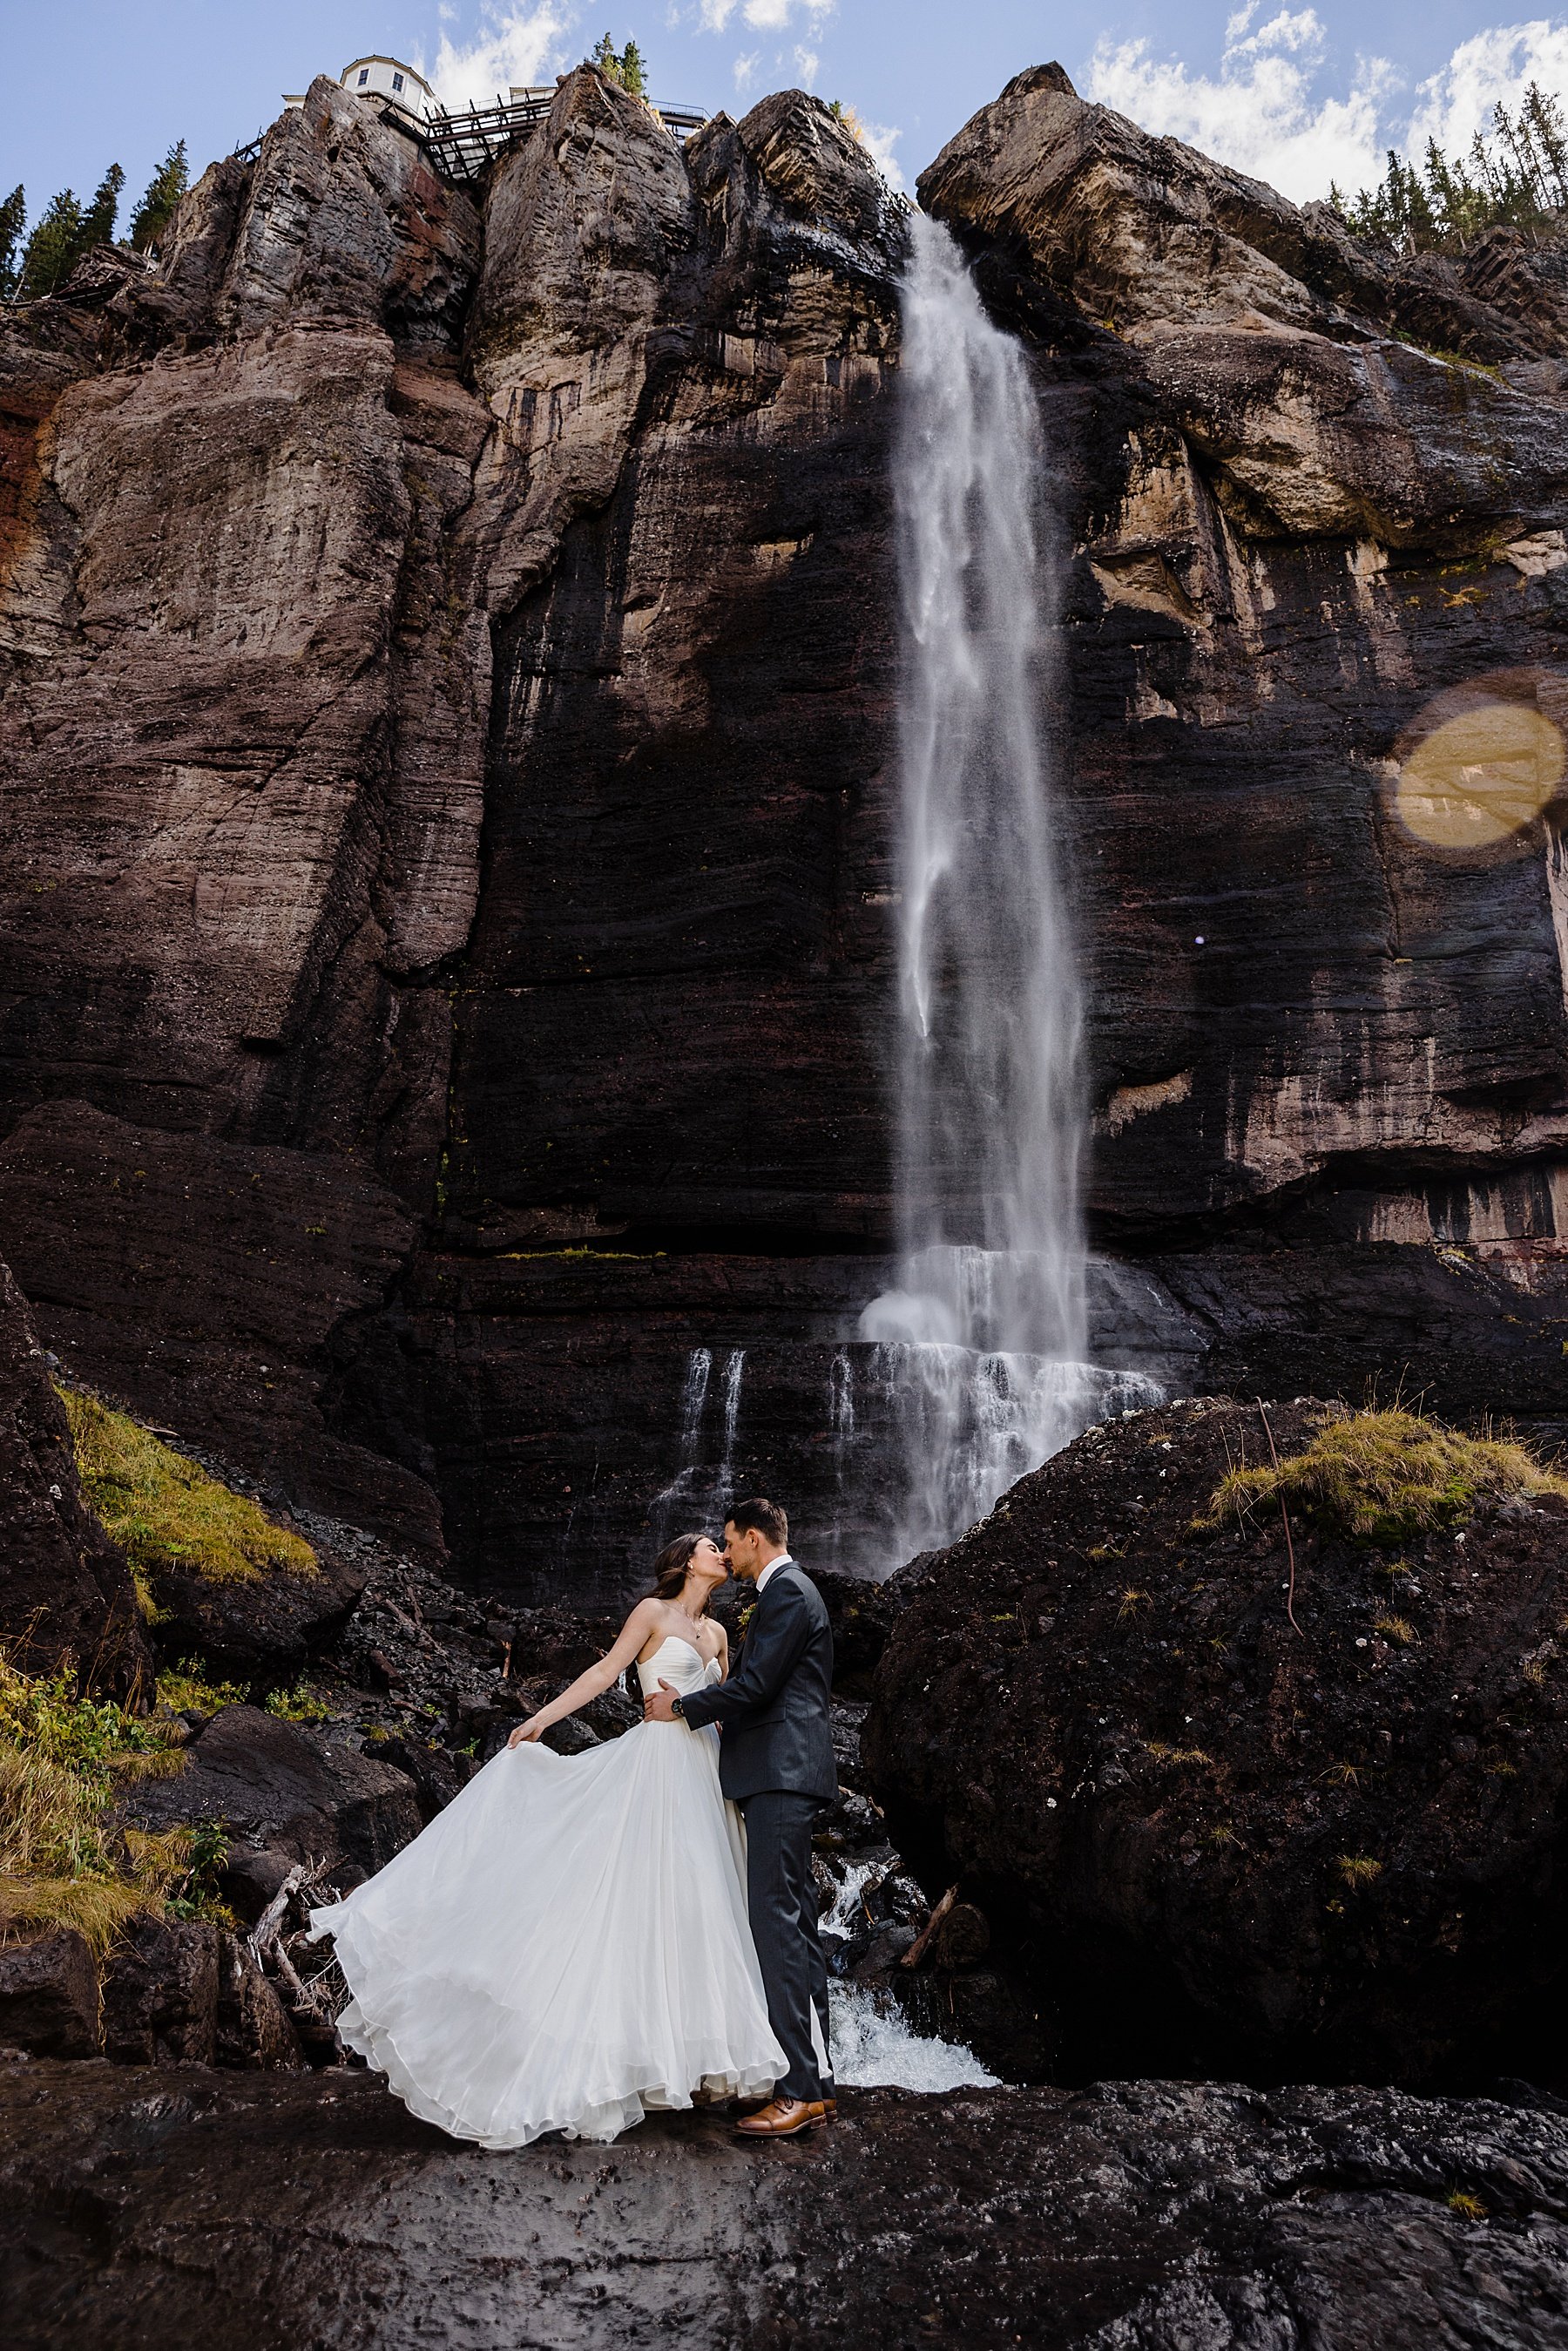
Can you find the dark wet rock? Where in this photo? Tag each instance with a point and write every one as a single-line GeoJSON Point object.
{"type": "Point", "coordinates": [253, 2031]}
{"type": "Point", "coordinates": [437, 1774]}
{"type": "Point", "coordinates": [268, 1630]}
{"type": "Point", "coordinates": [160, 1990]}
{"type": "Point", "coordinates": [66, 1594]}
{"type": "Point", "coordinates": [48, 1994]}
{"type": "Point", "coordinates": [307, 1794]}
{"type": "Point", "coordinates": [1210, 1841]}
{"type": "Point", "coordinates": [1164, 2216]}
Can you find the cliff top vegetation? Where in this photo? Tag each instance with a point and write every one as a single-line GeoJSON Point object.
{"type": "Point", "coordinates": [1517, 178]}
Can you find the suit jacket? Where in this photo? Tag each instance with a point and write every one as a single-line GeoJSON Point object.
{"type": "Point", "coordinates": [774, 1708]}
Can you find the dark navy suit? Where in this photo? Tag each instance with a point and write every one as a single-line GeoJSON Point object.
{"type": "Point", "coordinates": [776, 1761]}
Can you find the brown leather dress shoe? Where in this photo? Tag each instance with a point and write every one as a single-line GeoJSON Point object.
{"type": "Point", "coordinates": [782, 2119]}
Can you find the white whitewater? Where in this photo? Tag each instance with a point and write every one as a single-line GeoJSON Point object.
{"type": "Point", "coordinates": [874, 2046]}
{"type": "Point", "coordinates": [983, 1342]}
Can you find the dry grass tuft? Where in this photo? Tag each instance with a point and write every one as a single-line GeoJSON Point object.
{"type": "Point", "coordinates": [1357, 1868]}
{"type": "Point", "coordinates": [1396, 1628]}
{"type": "Point", "coordinates": [166, 1513]}
{"type": "Point", "coordinates": [63, 1859]}
{"type": "Point", "coordinates": [1386, 1477]}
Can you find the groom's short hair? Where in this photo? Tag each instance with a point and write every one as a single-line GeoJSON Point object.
{"type": "Point", "coordinates": [766, 1517]}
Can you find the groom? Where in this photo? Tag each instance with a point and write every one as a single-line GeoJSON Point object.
{"type": "Point", "coordinates": [776, 1763]}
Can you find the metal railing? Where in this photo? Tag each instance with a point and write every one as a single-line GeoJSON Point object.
{"type": "Point", "coordinates": [462, 144]}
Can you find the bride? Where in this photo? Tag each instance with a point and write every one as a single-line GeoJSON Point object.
{"type": "Point", "coordinates": [567, 1944]}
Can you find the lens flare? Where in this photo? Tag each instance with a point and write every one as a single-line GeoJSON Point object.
{"type": "Point", "coordinates": [1480, 775]}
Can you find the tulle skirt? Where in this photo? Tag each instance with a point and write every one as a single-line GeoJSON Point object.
{"type": "Point", "coordinates": [565, 1947]}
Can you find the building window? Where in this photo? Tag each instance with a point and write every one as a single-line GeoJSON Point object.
{"type": "Point", "coordinates": [364, 76]}
{"type": "Point", "coordinates": [397, 81]}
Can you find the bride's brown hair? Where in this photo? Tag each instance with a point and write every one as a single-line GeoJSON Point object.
{"type": "Point", "coordinates": [669, 1568]}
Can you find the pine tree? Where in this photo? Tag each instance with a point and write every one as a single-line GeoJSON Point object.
{"type": "Point", "coordinates": [155, 208]}
{"type": "Point", "coordinates": [1544, 117]}
{"type": "Point", "coordinates": [97, 221]}
{"type": "Point", "coordinates": [13, 221]}
{"type": "Point", "coordinates": [624, 68]}
{"type": "Point", "coordinates": [51, 250]}
{"type": "Point", "coordinates": [1518, 176]}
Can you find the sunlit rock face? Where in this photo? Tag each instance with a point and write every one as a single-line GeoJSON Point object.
{"type": "Point", "coordinates": [448, 978]}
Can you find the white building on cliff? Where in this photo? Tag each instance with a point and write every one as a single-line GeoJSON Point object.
{"type": "Point", "coordinates": [387, 81]}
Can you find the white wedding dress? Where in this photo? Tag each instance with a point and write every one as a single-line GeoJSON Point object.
{"type": "Point", "coordinates": [567, 1944]}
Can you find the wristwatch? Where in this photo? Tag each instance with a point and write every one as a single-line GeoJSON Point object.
{"type": "Point", "coordinates": [677, 1707]}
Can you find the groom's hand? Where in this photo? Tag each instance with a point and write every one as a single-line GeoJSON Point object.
{"type": "Point", "coordinates": [660, 1706]}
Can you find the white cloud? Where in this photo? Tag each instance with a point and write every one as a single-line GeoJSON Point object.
{"type": "Point", "coordinates": [775, 16]}
{"type": "Point", "coordinates": [879, 139]}
{"type": "Point", "coordinates": [746, 69]}
{"type": "Point", "coordinates": [1268, 113]}
{"type": "Point", "coordinates": [807, 60]}
{"type": "Point", "coordinates": [1261, 112]}
{"type": "Point", "coordinates": [716, 14]}
{"type": "Point", "coordinates": [514, 45]}
{"type": "Point", "coordinates": [1499, 64]}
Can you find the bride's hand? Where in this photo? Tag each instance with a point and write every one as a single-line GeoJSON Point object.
{"type": "Point", "coordinates": [528, 1734]}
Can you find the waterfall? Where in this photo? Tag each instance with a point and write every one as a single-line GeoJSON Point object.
{"type": "Point", "coordinates": [984, 1339]}
{"type": "Point", "coordinates": [695, 1492]}
{"type": "Point", "coordinates": [733, 1369]}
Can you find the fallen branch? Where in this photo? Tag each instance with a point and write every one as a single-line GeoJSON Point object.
{"type": "Point", "coordinates": [266, 1939]}
{"type": "Point", "coordinates": [917, 1950]}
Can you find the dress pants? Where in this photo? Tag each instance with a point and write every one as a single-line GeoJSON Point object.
{"type": "Point", "coordinates": [781, 1895]}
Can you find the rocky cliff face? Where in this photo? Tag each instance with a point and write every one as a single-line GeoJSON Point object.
{"type": "Point", "coordinates": [447, 645]}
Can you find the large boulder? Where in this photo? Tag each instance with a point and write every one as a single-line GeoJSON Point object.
{"type": "Point", "coordinates": [267, 1629]}
{"type": "Point", "coordinates": [161, 1993]}
{"type": "Point", "coordinates": [1144, 2216]}
{"type": "Point", "coordinates": [66, 1594]}
{"type": "Point", "coordinates": [48, 1994]}
{"type": "Point", "coordinates": [304, 1793]}
{"type": "Point", "coordinates": [1215, 1838]}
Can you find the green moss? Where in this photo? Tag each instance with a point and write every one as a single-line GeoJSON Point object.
{"type": "Point", "coordinates": [165, 1512]}
{"type": "Point", "coordinates": [1386, 1477]}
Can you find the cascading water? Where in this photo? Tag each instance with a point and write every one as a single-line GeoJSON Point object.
{"type": "Point", "coordinates": [696, 1488]}
{"type": "Point", "coordinates": [984, 1340]}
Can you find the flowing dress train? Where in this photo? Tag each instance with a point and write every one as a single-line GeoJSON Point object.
{"type": "Point", "coordinates": [567, 1945]}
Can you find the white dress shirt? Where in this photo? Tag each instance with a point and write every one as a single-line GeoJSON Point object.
{"type": "Point", "coordinates": [783, 1559]}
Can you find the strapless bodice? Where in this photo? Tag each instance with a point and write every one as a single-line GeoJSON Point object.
{"type": "Point", "coordinates": [676, 1661]}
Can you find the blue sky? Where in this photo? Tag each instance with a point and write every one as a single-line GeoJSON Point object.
{"type": "Point", "coordinates": [1298, 95]}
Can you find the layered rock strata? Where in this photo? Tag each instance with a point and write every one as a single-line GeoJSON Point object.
{"type": "Point", "coordinates": [448, 980]}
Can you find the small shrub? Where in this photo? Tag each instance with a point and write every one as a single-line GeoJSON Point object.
{"type": "Point", "coordinates": [185, 1689]}
{"type": "Point", "coordinates": [1467, 2207]}
{"type": "Point", "coordinates": [301, 1704]}
{"type": "Point", "coordinates": [1357, 1868]}
{"type": "Point", "coordinates": [166, 1513]}
{"type": "Point", "coordinates": [1386, 1477]}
